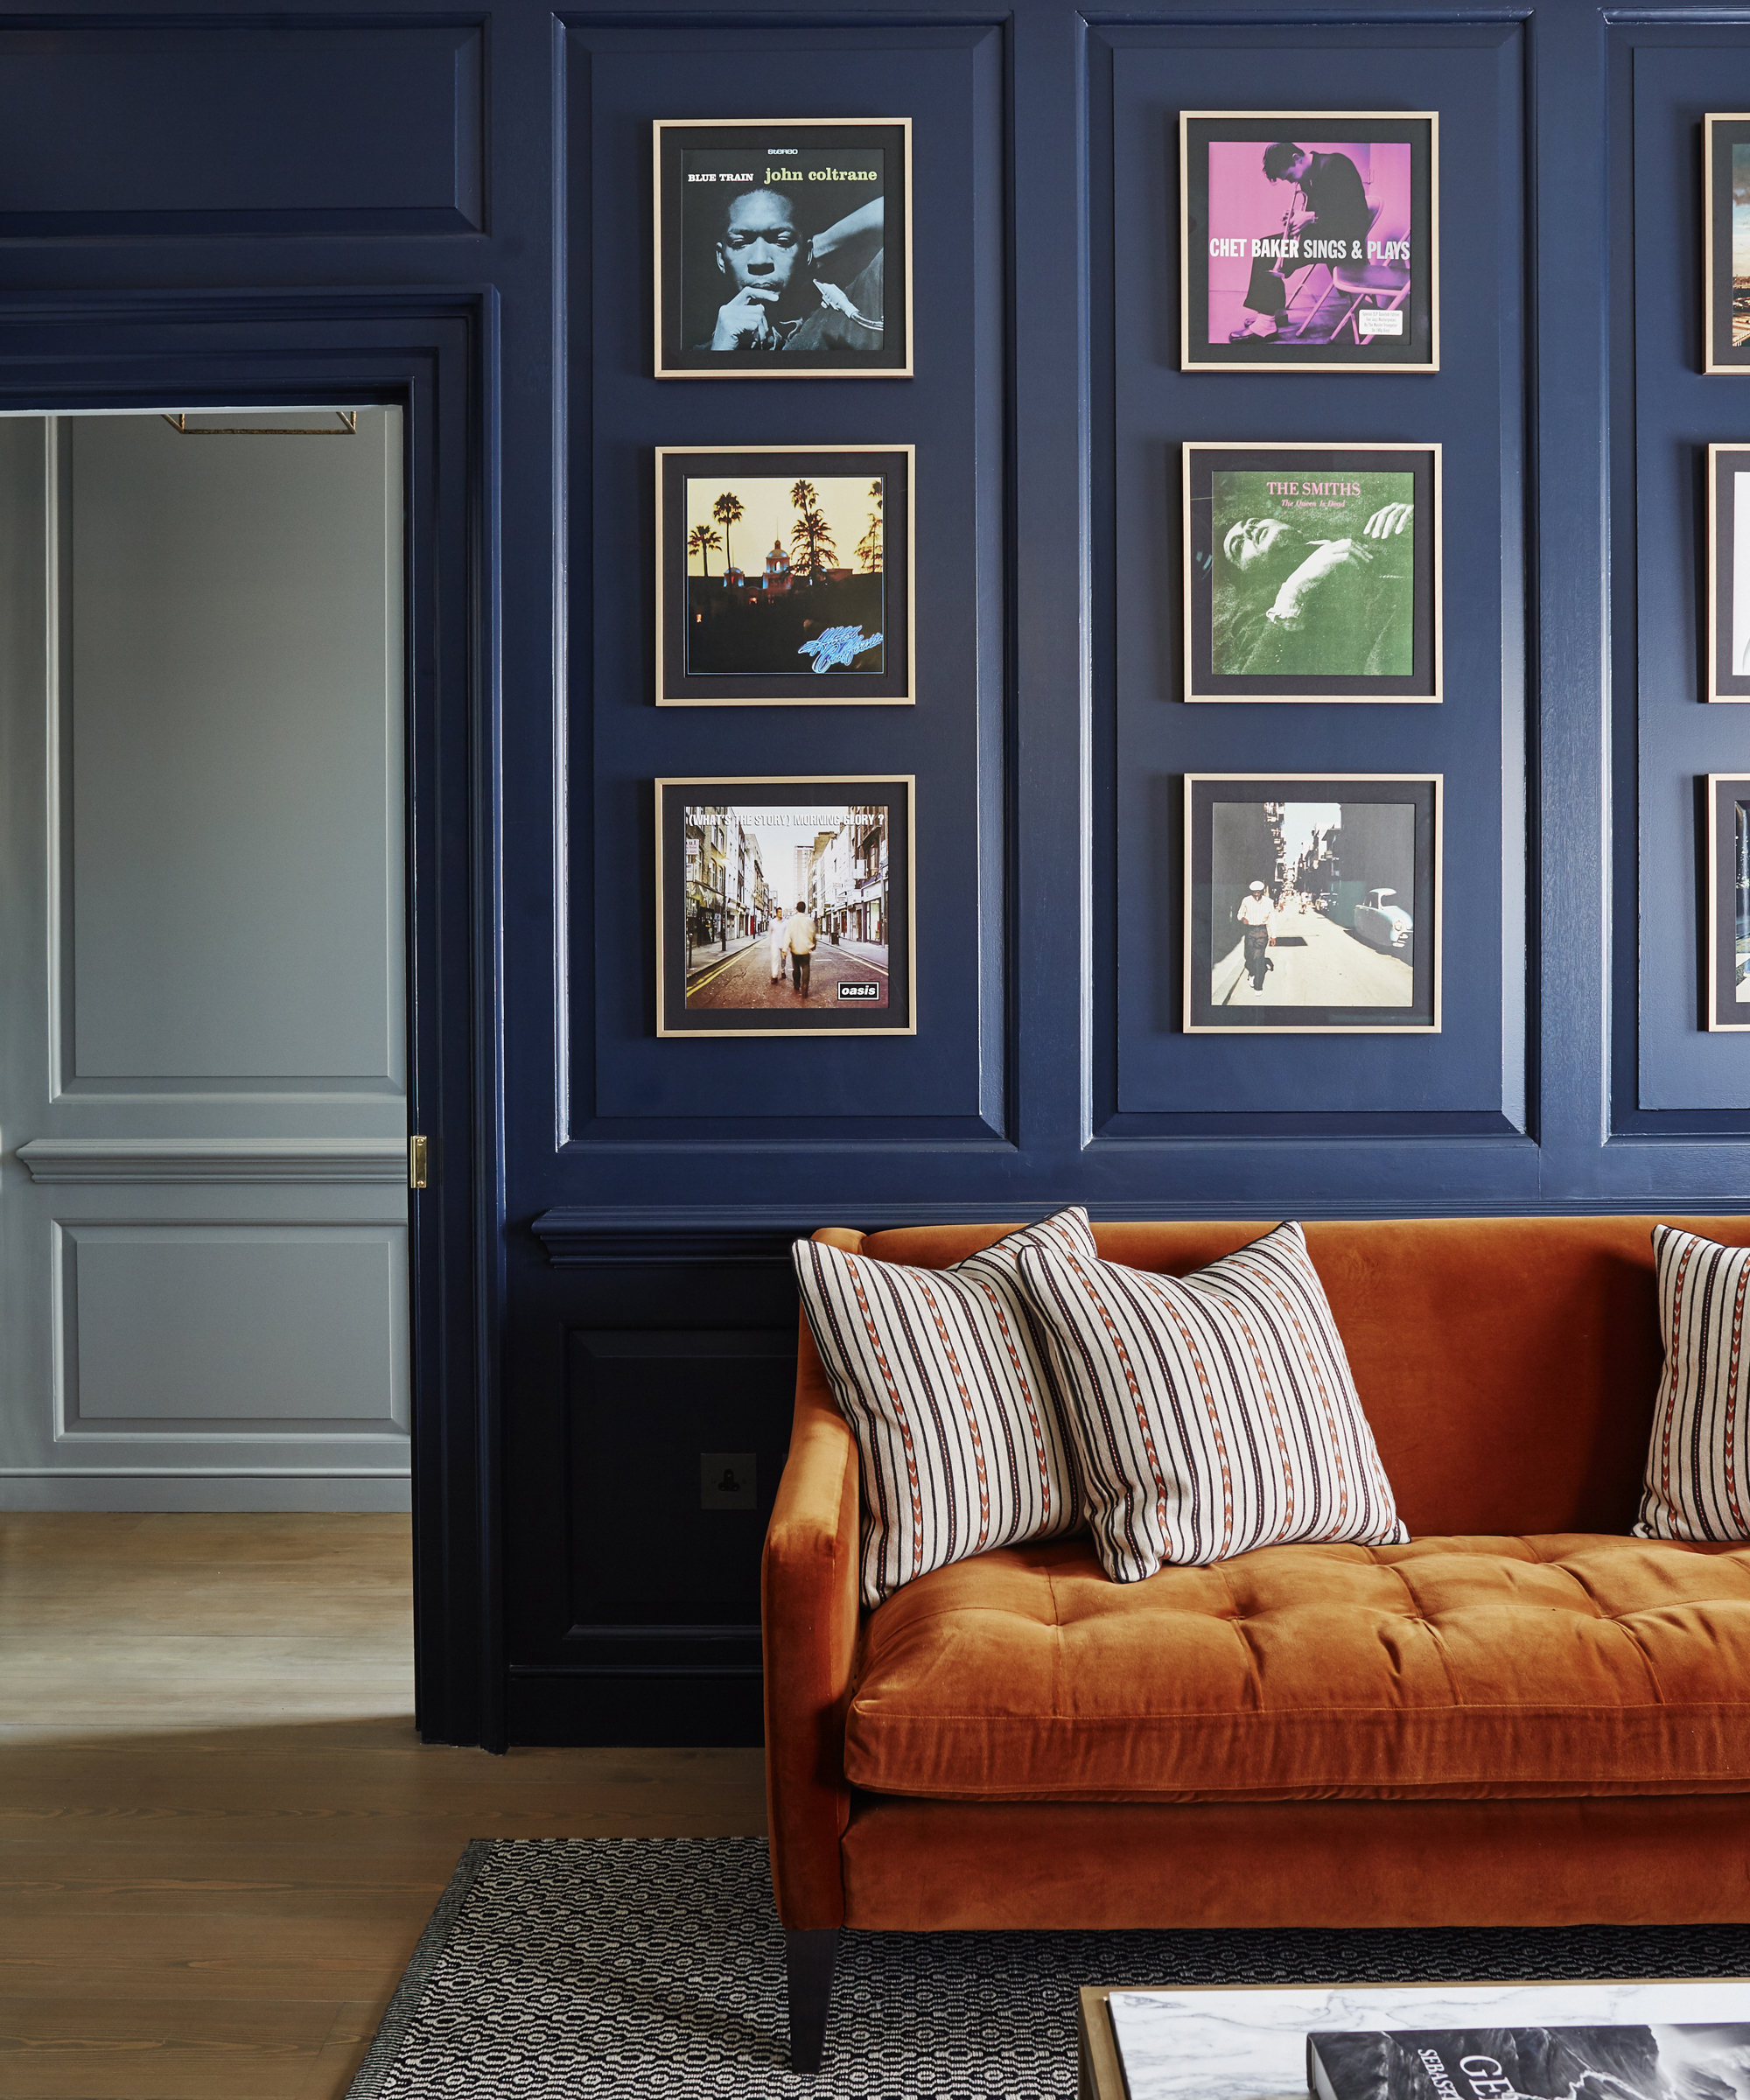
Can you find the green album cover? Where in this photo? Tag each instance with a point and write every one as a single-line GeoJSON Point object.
{"type": "Point", "coordinates": [1313, 574]}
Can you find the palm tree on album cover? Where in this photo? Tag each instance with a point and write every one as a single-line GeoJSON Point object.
{"type": "Point", "coordinates": [728, 510]}
{"type": "Point", "coordinates": [701, 540]}
{"type": "Point", "coordinates": [813, 549]}
{"type": "Point", "coordinates": [869, 546]}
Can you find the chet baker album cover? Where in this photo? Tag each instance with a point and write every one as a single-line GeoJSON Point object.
{"type": "Point", "coordinates": [783, 248]}
{"type": "Point", "coordinates": [1308, 238]}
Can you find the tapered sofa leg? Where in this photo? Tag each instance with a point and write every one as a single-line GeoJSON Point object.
{"type": "Point", "coordinates": [809, 1960]}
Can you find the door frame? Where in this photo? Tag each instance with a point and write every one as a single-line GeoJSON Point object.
{"type": "Point", "coordinates": [434, 354]}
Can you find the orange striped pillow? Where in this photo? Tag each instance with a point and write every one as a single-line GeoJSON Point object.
{"type": "Point", "coordinates": [1212, 1413]}
{"type": "Point", "coordinates": [943, 1376]}
{"type": "Point", "coordinates": [1697, 1481]}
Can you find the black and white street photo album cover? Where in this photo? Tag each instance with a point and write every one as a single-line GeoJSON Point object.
{"type": "Point", "coordinates": [784, 907]}
{"type": "Point", "coordinates": [783, 248]}
{"type": "Point", "coordinates": [1311, 571]}
{"type": "Point", "coordinates": [1312, 903]}
{"type": "Point", "coordinates": [784, 578]}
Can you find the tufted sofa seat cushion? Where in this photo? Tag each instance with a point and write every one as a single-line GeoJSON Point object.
{"type": "Point", "coordinates": [1466, 1666]}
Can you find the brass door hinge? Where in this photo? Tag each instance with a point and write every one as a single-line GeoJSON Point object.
{"type": "Point", "coordinates": [416, 1163]}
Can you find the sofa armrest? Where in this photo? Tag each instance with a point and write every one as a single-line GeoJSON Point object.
{"type": "Point", "coordinates": [809, 1611]}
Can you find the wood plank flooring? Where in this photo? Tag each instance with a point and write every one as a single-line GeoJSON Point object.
{"type": "Point", "coordinates": [220, 1836]}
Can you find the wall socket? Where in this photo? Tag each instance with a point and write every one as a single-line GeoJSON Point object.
{"type": "Point", "coordinates": [728, 1479]}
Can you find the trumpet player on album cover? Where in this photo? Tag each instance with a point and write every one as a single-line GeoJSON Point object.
{"type": "Point", "coordinates": [1281, 209]}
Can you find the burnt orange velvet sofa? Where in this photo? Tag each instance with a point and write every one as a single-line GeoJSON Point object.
{"type": "Point", "coordinates": [1522, 1717]}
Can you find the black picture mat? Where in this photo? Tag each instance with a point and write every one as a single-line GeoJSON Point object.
{"type": "Point", "coordinates": [1417, 791]}
{"type": "Point", "coordinates": [1202, 463]}
{"type": "Point", "coordinates": [676, 253]}
{"type": "Point", "coordinates": [892, 465]}
{"type": "Point", "coordinates": [1723, 134]}
{"type": "Point", "coordinates": [1415, 347]}
{"type": "Point", "coordinates": [1719, 677]}
{"type": "Point", "coordinates": [671, 991]}
{"type": "Point", "coordinates": [1729, 791]}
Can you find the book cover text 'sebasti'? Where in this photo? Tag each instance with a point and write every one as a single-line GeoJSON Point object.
{"type": "Point", "coordinates": [1624, 2062]}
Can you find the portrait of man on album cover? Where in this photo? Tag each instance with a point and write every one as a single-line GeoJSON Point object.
{"type": "Point", "coordinates": [783, 248]}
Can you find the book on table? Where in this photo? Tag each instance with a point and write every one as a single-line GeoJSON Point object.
{"type": "Point", "coordinates": [1612, 2062]}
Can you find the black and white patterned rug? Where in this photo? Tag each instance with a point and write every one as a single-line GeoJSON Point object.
{"type": "Point", "coordinates": [555, 1968]}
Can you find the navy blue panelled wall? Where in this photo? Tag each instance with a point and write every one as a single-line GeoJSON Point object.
{"type": "Point", "coordinates": [453, 209]}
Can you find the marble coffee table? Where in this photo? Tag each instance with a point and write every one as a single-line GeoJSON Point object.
{"type": "Point", "coordinates": [1246, 2043]}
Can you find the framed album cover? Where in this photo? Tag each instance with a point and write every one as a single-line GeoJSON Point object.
{"type": "Point", "coordinates": [1728, 573]}
{"type": "Point", "coordinates": [784, 577]}
{"type": "Point", "coordinates": [1312, 903]}
{"type": "Point", "coordinates": [1309, 238]}
{"type": "Point", "coordinates": [1726, 878]}
{"type": "Point", "coordinates": [785, 906]}
{"type": "Point", "coordinates": [1312, 573]}
{"type": "Point", "coordinates": [783, 248]}
{"type": "Point", "coordinates": [1726, 220]}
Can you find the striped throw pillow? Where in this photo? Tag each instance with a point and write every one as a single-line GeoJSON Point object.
{"type": "Point", "coordinates": [1212, 1413]}
{"type": "Point", "coordinates": [943, 1377]}
{"type": "Point", "coordinates": [1697, 1483]}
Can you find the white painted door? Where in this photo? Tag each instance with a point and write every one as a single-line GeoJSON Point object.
{"type": "Point", "coordinates": [203, 1122]}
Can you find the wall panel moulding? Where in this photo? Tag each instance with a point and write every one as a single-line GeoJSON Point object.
{"type": "Point", "coordinates": [170, 127]}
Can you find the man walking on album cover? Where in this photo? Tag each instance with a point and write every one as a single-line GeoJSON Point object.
{"type": "Point", "coordinates": [799, 936]}
{"type": "Point", "coordinates": [1254, 914]}
{"type": "Point", "coordinates": [1334, 207]}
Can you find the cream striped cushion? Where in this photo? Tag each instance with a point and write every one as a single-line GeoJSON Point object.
{"type": "Point", "coordinates": [943, 1377]}
{"type": "Point", "coordinates": [1212, 1413]}
{"type": "Point", "coordinates": [1696, 1484]}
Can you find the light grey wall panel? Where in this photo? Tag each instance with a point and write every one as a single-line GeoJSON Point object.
{"type": "Point", "coordinates": [231, 763]}
{"type": "Point", "coordinates": [238, 1329]}
{"type": "Point", "coordinates": [203, 1206]}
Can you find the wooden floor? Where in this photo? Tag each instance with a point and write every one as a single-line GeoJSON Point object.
{"type": "Point", "coordinates": [220, 1836]}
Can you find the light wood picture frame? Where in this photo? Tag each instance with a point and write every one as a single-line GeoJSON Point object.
{"type": "Point", "coordinates": [1726, 669]}
{"type": "Point", "coordinates": [1312, 573]}
{"type": "Point", "coordinates": [1312, 903]}
{"type": "Point", "coordinates": [820, 616]}
{"type": "Point", "coordinates": [1726, 326]}
{"type": "Point", "coordinates": [783, 248]}
{"type": "Point", "coordinates": [1725, 880]}
{"type": "Point", "coordinates": [736, 854]}
{"type": "Point", "coordinates": [1309, 240]}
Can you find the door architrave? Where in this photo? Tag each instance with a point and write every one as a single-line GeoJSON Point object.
{"type": "Point", "coordinates": [435, 355]}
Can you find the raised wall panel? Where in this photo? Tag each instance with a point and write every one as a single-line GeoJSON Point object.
{"type": "Point", "coordinates": [1671, 1076]}
{"type": "Point", "coordinates": [230, 862]}
{"type": "Point", "coordinates": [173, 127]}
{"type": "Point", "coordinates": [644, 1404]}
{"type": "Point", "coordinates": [1151, 1079]}
{"type": "Point", "coordinates": [949, 1083]}
{"type": "Point", "coordinates": [231, 1332]}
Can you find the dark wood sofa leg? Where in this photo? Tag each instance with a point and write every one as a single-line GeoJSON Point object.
{"type": "Point", "coordinates": [809, 1960]}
